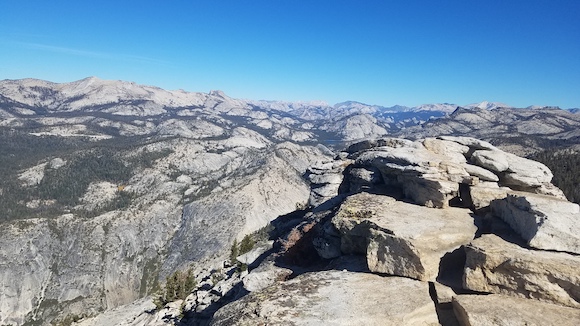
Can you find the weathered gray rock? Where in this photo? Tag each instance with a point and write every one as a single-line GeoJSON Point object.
{"type": "Point", "coordinates": [327, 244]}
{"type": "Point", "coordinates": [32, 176]}
{"type": "Point", "coordinates": [325, 179]}
{"type": "Point", "coordinates": [258, 250]}
{"type": "Point", "coordinates": [496, 266]}
{"type": "Point", "coordinates": [56, 163]}
{"type": "Point", "coordinates": [429, 192]}
{"type": "Point", "coordinates": [265, 275]}
{"type": "Point", "coordinates": [136, 313]}
{"type": "Point", "coordinates": [400, 238]}
{"type": "Point", "coordinates": [544, 222]}
{"type": "Point", "coordinates": [430, 171]}
{"type": "Point", "coordinates": [525, 172]}
{"type": "Point", "coordinates": [321, 193]}
{"type": "Point", "coordinates": [470, 142]}
{"type": "Point", "coordinates": [356, 127]}
{"type": "Point", "coordinates": [494, 160]}
{"type": "Point", "coordinates": [443, 293]}
{"type": "Point", "coordinates": [549, 189]}
{"type": "Point", "coordinates": [334, 298]}
{"type": "Point", "coordinates": [171, 311]}
{"type": "Point", "coordinates": [482, 194]}
{"type": "Point", "coordinates": [514, 171]}
{"type": "Point", "coordinates": [363, 178]}
{"type": "Point", "coordinates": [481, 173]}
{"type": "Point", "coordinates": [428, 178]}
{"type": "Point", "coordinates": [488, 310]}
{"type": "Point", "coordinates": [454, 151]}
{"type": "Point", "coordinates": [372, 143]}
{"type": "Point", "coordinates": [414, 158]}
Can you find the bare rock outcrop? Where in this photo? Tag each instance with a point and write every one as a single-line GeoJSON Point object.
{"type": "Point", "coordinates": [265, 275]}
{"type": "Point", "coordinates": [428, 178]}
{"type": "Point", "coordinates": [400, 238]}
{"type": "Point", "coordinates": [432, 172]}
{"type": "Point", "coordinates": [251, 256]}
{"type": "Point", "coordinates": [417, 232]}
{"type": "Point", "coordinates": [133, 314]}
{"type": "Point", "coordinates": [481, 173]}
{"type": "Point", "coordinates": [484, 310]}
{"type": "Point", "coordinates": [482, 194]}
{"type": "Point", "coordinates": [496, 266]}
{"type": "Point", "coordinates": [364, 178]}
{"type": "Point", "coordinates": [325, 179]}
{"type": "Point", "coordinates": [334, 298]}
{"type": "Point", "coordinates": [544, 222]}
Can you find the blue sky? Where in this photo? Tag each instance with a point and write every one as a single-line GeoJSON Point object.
{"type": "Point", "coordinates": [520, 52]}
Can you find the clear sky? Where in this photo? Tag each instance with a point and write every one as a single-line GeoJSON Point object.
{"type": "Point", "coordinates": [520, 52]}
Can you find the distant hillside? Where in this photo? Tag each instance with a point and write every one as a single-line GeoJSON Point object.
{"type": "Point", "coordinates": [521, 131]}
{"type": "Point", "coordinates": [565, 167]}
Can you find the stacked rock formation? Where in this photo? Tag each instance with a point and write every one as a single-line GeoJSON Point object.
{"type": "Point", "coordinates": [450, 230]}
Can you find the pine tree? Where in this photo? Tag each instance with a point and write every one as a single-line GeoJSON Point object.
{"type": "Point", "coordinates": [247, 244]}
{"type": "Point", "coordinates": [234, 251]}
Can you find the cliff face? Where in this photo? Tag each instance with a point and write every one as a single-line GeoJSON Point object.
{"type": "Point", "coordinates": [66, 265]}
{"type": "Point", "coordinates": [73, 265]}
{"type": "Point", "coordinates": [429, 233]}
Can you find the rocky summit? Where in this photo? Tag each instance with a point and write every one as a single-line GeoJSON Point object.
{"type": "Point", "coordinates": [400, 237]}
{"type": "Point", "coordinates": [125, 204]}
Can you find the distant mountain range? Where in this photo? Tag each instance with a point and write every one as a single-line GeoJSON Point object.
{"type": "Point", "coordinates": [105, 107]}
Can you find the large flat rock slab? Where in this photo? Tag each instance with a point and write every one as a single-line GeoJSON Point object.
{"type": "Point", "coordinates": [430, 171]}
{"type": "Point", "coordinates": [334, 298]}
{"type": "Point", "coordinates": [496, 266]}
{"type": "Point", "coordinates": [399, 238]}
{"type": "Point", "coordinates": [544, 222]}
{"type": "Point", "coordinates": [499, 310]}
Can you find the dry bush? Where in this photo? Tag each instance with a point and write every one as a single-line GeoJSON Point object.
{"type": "Point", "coordinates": [297, 247]}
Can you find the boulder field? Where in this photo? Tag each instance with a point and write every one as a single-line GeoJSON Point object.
{"type": "Point", "coordinates": [447, 230]}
